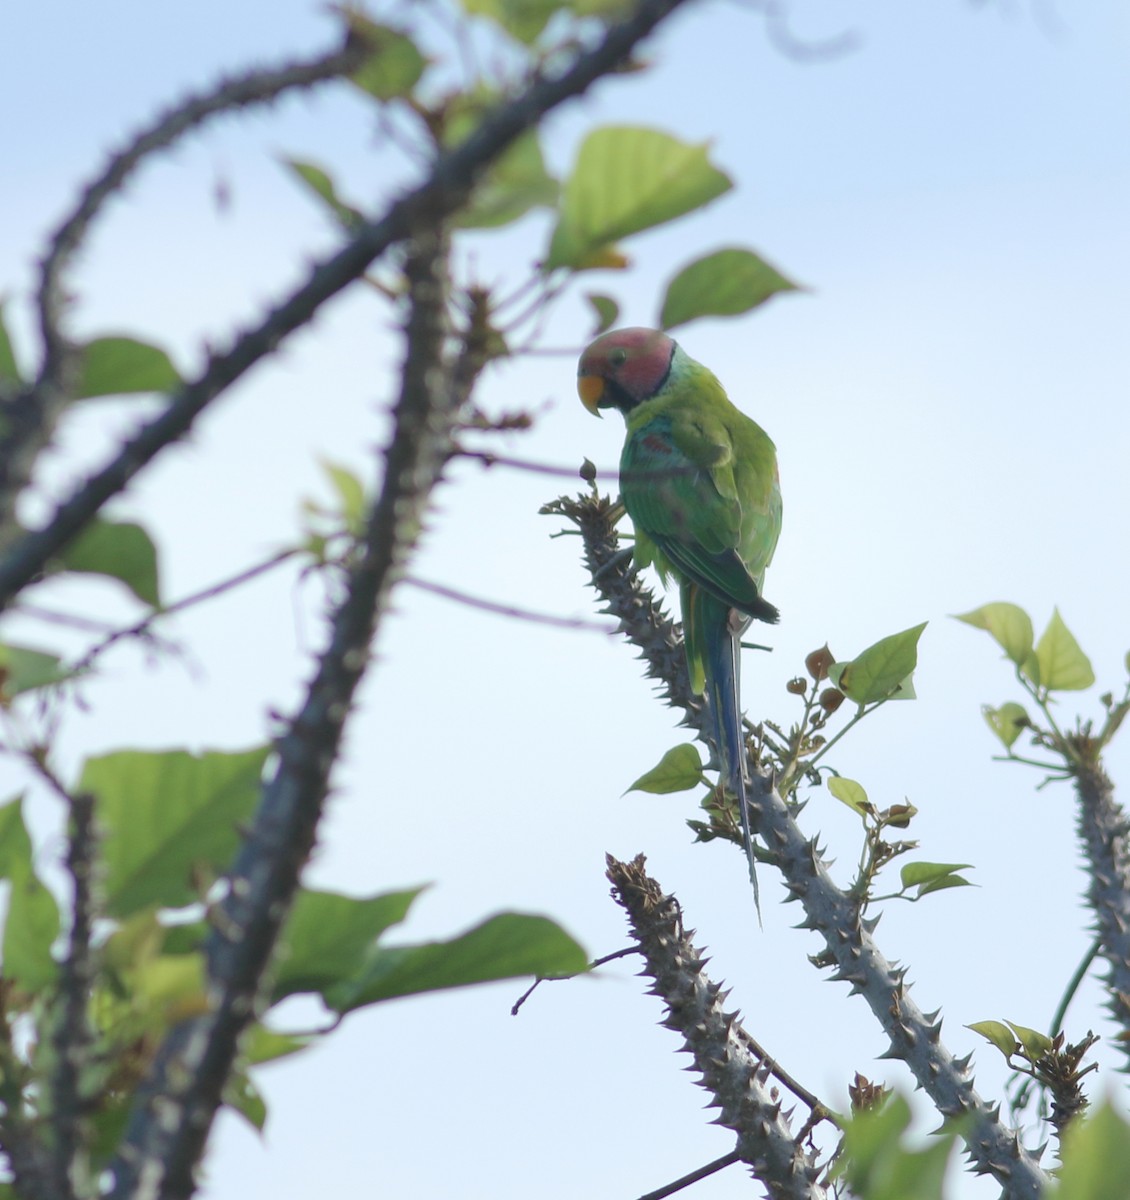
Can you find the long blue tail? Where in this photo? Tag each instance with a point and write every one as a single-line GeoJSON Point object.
{"type": "Point", "coordinates": [723, 684]}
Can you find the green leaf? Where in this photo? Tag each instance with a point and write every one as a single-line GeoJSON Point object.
{"type": "Point", "coordinates": [121, 366]}
{"type": "Point", "coordinates": [508, 945]}
{"type": "Point", "coordinates": [723, 284]}
{"type": "Point", "coordinates": [120, 550]}
{"type": "Point", "coordinates": [515, 183]}
{"type": "Point", "coordinates": [628, 179]}
{"type": "Point", "coordinates": [15, 842]}
{"type": "Point", "coordinates": [32, 920]}
{"type": "Point", "coordinates": [171, 821]}
{"type": "Point", "coordinates": [242, 1096]}
{"type": "Point", "coordinates": [679, 770]}
{"type": "Point", "coordinates": [606, 309]}
{"type": "Point", "coordinates": [882, 671]}
{"type": "Point", "coordinates": [522, 19]}
{"type": "Point", "coordinates": [1034, 1042]}
{"type": "Point", "coordinates": [23, 669]}
{"type": "Point", "coordinates": [998, 1034]}
{"type": "Point", "coordinates": [167, 988]}
{"type": "Point", "coordinates": [1008, 722]}
{"type": "Point", "coordinates": [1063, 665]}
{"type": "Point", "coordinates": [879, 1166]}
{"type": "Point", "coordinates": [850, 793]}
{"type": "Point", "coordinates": [350, 494]}
{"type": "Point", "coordinates": [1095, 1158]}
{"type": "Point", "coordinates": [322, 186]}
{"type": "Point", "coordinates": [9, 368]}
{"type": "Point", "coordinates": [263, 1045]}
{"type": "Point", "coordinates": [940, 885]}
{"type": "Point", "coordinates": [31, 926]}
{"type": "Point", "coordinates": [394, 65]}
{"type": "Point", "coordinates": [1008, 624]}
{"type": "Point", "coordinates": [933, 877]}
{"type": "Point", "coordinates": [327, 938]}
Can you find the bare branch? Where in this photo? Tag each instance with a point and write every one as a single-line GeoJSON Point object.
{"type": "Point", "coordinates": [829, 911]}
{"type": "Point", "coordinates": [508, 610]}
{"type": "Point", "coordinates": [140, 629]}
{"type": "Point", "coordinates": [696, 1176]}
{"type": "Point", "coordinates": [733, 1075]}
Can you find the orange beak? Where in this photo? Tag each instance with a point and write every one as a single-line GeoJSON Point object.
{"type": "Point", "coordinates": [590, 388]}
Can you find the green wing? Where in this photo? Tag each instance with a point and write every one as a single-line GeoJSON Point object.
{"type": "Point", "coordinates": [699, 478]}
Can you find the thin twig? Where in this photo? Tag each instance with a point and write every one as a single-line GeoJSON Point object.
{"type": "Point", "coordinates": [508, 610]}
{"type": "Point", "coordinates": [711, 1168]}
{"type": "Point", "coordinates": [596, 962]}
{"type": "Point", "coordinates": [141, 628]}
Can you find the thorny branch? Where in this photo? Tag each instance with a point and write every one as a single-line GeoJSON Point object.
{"type": "Point", "coordinates": [30, 415]}
{"type": "Point", "coordinates": [1105, 833]}
{"type": "Point", "coordinates": [737, 1080]}
{"type": "Point", "coordinates": [442, 192]}
{"type": "Point", "coordinates": [913, 1036]}
{"type": "Point", "coordinates": [177, 1102]}
{"type": "Point", "coordinates": [72, 1035]}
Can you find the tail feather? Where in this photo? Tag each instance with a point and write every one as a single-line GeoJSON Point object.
{"type": "Point", "coordinates": [723, 686]}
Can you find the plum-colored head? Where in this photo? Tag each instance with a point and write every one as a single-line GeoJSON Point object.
{"type": "Point", "coordinates": [624, 367]}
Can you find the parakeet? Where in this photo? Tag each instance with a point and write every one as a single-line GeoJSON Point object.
{"type": "Point", "coordinates": [699, 480]}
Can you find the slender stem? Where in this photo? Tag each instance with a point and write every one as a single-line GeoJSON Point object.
{"type": "Point", "coordinates": [696, 1176]}
{"type": "Point", "coordinates": [140, 628]}
{"type": "Point", "coordinates": [1073, 986]}
{"type": "Point", "coordinates": [508, 610]}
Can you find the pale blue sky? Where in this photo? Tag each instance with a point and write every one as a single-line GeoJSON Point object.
{"type": "Point", "coordinates": [950, 405]}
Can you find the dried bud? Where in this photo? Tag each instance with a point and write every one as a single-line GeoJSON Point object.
{"type": "Point", "coordinates": [796, 687]}
{"type": "Point", "coordinates": [831, 699]}
{"type": "Point", "coordinates": [864, 1094]}
{"type": "Point", "coordinates": [899, 815]}
{"type": "Point", "coordinates": [819, 662]}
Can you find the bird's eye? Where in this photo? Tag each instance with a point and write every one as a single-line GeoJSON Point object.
{"type": "Point", "coordinates": [618, 357]}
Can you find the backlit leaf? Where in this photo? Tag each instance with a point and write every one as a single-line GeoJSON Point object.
{"type": "Point", "coordinates": [503, 947]}
{"type": "Point", "coordinates": [627, 179]}
{"type": "Point", "coordinates": [1008, 624]}
{"type": "Point", "coordinates": [121, 366]}
{"type": "Point", "coordinates": [723, 284]}
{"type": "Point", "coordinates": [395, 63]}
{"type": "Point", "coordinates": [882, 671]}
{"type": "Point", "coordinates": [327, 938]}
{"type": "Point", "coordinates": [121, 550]}
{"type": "Point", "coordinates": [998, 1033]}
{"type": "Point", "coordinates": [322, 186]}
{"type": "Point", "coordinates": [170, 820]}
{"type": "Point", "coordinates": [23, 669]}
{"type": "Point", "coordinates": [679, 770]}
{"type": "Point", "coordinates": [848, 792]}
{"type": "Point", "coordinates": [1008, 722]}
{"type": "Point", "coordinates": [9, 368]}
{"type": "Point", "coordinates": [1063, 665]}
{"type": "Point", "coordinates": [606, 309]}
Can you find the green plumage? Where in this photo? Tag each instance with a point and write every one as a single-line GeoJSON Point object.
{"type": "Point", "coordinates": [699, 480]}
